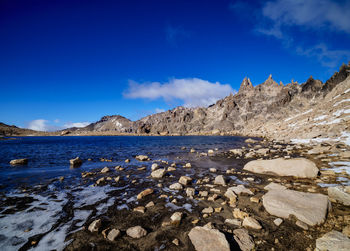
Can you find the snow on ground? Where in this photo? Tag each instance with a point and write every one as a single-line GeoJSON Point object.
{"type": "Point", "coordinates": [295, 116]}
{"type": "Point", "coordinates": [344, 100]}
{"type": "Point", "coordinates": [320, 117]}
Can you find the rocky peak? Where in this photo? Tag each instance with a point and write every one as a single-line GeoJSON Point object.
{"type": "Point", "coordinates": [246, 85]}
{"type": "Point", "coordinates": [270, 82]}
{"type": "Point", "coordinates": [337, 77]}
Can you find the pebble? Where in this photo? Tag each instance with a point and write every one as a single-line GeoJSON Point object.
{"type": "Point", "coordinates": [136, 232]}
{"type": "Point", "coordinates": [113, 234]}
{"type": "Point", "coordinates": [95, 226]}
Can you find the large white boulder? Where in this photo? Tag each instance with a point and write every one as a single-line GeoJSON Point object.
{"type": "Point", "coordinates": [333, 241]}
{"type": "Point", "coordinates": [298, 167]}
{"type": "Point", "coordinates": [309, 208]}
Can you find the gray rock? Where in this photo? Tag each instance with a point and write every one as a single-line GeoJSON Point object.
{"type": "Point", "coordinates": [154, 166]}
{"type": "Point", "coordinates": [16, 162]}
{"type": "Point", "coordinates": [142, 157]}
{"type": "Point", "coordinates": [113, 234]}
{"type": "Point", "coordinates": [95, 226]}
{"type": "Point", "coordinates": [176, 217]}
{"type": "Point", "coordinates": [105, 170]}
{"type": "Point", "coordinates": [159, 173]}
{"type": "Point", "coordinates": [244, 240]}
{"type": "Point", "coordinates": [206, 239]}
{"type": "Point", "coordinates": [136, 232]}
{"type": "Point", "coordinates": [333, 241]}
{"type": "Point", "coordinates": [190, 192]}
{"type": "Point", "coordinates": [208, 210]}
{"type": "Point", "coordinates": [185, 180]}
{"type": "Point", "coordinates": [339, 193]}
{"type": "Point", "coordinates": [278, 222]}
{"type": "Point", "coordinates": [310, 208]}
{"type": "Point", "coordinates": [220, 180]}
{"type": "Point", "coordinates": [298, 167]}
{"type": "Point", "coordinates": [235, 222]}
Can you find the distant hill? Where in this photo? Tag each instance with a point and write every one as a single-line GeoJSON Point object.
{"type": "Point", "coordinates": [11, 130]}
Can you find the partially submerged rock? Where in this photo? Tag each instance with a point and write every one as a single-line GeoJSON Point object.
{"type": "Point", "coordinates": [142, 157]}
{"type": "Point", "coordinates": [333, 241]}
{"type": "Point", "coordinates": [16, 162]}
{"type": "Point", "coordinates": [176, 186]}
{"type": "Point", "coordinates": [298, 167]}
{"type": "Point", "coordinates": [310, 208]}
{"type": "Point", "coordinates": [206, 239]}
{"type": "Point", "coordinates": [105, 170]}
{"type": "Point", "coordinates": [185, 180]}
{"type": "Point", "coordinates": [340, 194]}
{"type": "Point", "coordinates": [220, 180]}
{"type": "Point", "coordinates": [136, 232]}
{"type": "Point", "coordinates": [76, 162]}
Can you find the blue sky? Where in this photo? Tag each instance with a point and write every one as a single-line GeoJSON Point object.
{"type": "Point", "coordinates": [65, 63]}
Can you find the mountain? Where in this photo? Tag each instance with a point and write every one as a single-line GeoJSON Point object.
{"type": "Point", "coordinates": [11, 130]}
{"type": "Point", "coordinates": [292, 111]}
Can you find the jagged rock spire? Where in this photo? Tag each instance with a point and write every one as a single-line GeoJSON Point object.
{"type": "Point", "coordinates": [245, 85]}
{"type": "Point", "coordinates": [270, 81]}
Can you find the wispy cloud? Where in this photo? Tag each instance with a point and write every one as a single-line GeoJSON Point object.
{"type": "Point", "coordinates": [282, 18]}
{"type": "Point", "coordinates": [48, 126]}
{"type": "Point", "coordinates": [193, 92]}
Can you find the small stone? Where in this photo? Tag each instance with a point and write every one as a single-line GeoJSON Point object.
{"type": "Point", "coordinates": [188, 165]}
{"type": "Point", "coordinates": [113, 234]}
{"type": "Point", "coordinates": [142, 157]}
{"type": "Point", "coordinates": [104, 232]}
{"type": "Point", "coordinates": [127, 161]}
{"type": "Point", "coordinates": [176, 242]}
{"type": "Point", "coordinates": [116, 179]}
{"type": "Point", "coordinates": [219, 180]}
{"type": "Point", "coordinates": [145, 193]}
{"type": "Point", "coordinates": [61, 179]}
{"type": "Point", "coordinates": [210, 151]}
{"type": "Point", "coordinates": [235, 222]}
{"type": "Point", "coordinates": [238, 214]}
{"type": "Point", "coordinates": [195, 221]}
{"type": "Point", "coordinates": [176, 218]}
{"type": "Point", "coordinates": [301, 225]}
{"type": "Point", "coordinates": [218, 209]}
{"type": "Point", "coordinates": [176, 186]}
{"type": "Point", "coordinates": [241, 189]}
{"type": "Point", "coordinates": [185, 180]}
{"type": "Point", "coordinates": [95, 225]}
{"type": "Point", "coordinates": [278, 221]}
{"type": "Point", "coordinates": [213, 197]}
{"type": "Point", "coordinates": [105, 170]}
{"type": "Point", "coordinates": [207, 210]}
{"type": "Point", "coordinates": [190, 192]}
{"type": "Point", "coordinates": [73, 162]}
{"type": "Point", "coordinates": [139, 209]}
{"type": "Point", "coordinates": [141, 168]}
{"type": "Point", "coordinates": [203, 193]}
{"type": "Point", "coordinates": [136, 232]}
{"type": "Point", "coordinates": [149, 204]}
{"type": "Point", "coordinates": [159, 173]}
{"type": "Point", "coordinates": [192, 150]}
{"type": "Point", "coordinates": [170, 169]}
{"type": "Point", "coordinates": [100, 181]}
{"type": "Point", "coordinates": [254, 199]}
{"type": "Point", "coordinates": [212, 170]}
{"type": "Point", "coordinates": [154, 166]}
{"type": "Point", "coordinates": [250, 222]}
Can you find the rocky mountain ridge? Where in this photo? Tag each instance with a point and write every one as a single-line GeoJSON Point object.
{"type": "Point", "coordinates": [290, 111]}
{"type": "Point", "coordinates": [286, 112]}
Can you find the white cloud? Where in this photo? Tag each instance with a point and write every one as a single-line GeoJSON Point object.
{"type": "Point", "coordinates": [158, 110]}
{"type": "Point", "coordinates": [313, 14]}
{"type": "Point", "coordinates": [47, 126]}
{"type": "Point", "coordinates": [77, 124]}
{"type": "Point", "coordinates": [38, 125]}
{"type": "Point", "coordinates": [193, 92]}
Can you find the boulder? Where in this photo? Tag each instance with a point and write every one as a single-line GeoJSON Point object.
{"type": "Point", "coordinates": [244, 240]}
{"type": "Point", "coordinates": [220, 180]}
{"type": "Point", "coordinates": [176, 186]}
{"type": "Point", "coordinates": [142, 157]}
{"type": "Point", "coordinates": [145, 193]}
{"type": "Point", "coordinates": [333, 241]}
{"type": "Point", "coordinates": [76, 162]}
{"type": "Point", "coordinates": [340, 194]}
{"type": "Point", "coordinates": [16, 162]}
{"type": "Point", "coordinates": [206, 239]}
{"type": "Point", "coordinates": [310, 208]}
{"type": "Point", "coordinates": [159, 173]}
{"type": "Point", "coordinates": [136, 232]}
{"type": "Point", "coordinates": [298, 167]}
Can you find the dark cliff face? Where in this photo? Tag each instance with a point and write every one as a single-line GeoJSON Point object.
{"type": "Point", "coordinates": [261, 103]}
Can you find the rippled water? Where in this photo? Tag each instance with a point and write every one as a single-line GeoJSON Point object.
{"type": "Point", "coordinates": [49, 156]}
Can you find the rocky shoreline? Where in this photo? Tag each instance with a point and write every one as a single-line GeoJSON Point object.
{"type": "Point", "coordinates": [182, 205]}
